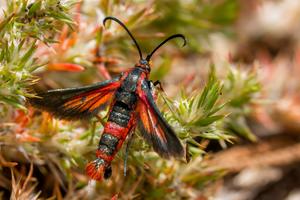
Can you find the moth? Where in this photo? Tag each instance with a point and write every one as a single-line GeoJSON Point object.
{"type": "Point", "coordinates": [131, 102]}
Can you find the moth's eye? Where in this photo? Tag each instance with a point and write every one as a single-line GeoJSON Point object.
{"type": "Point", "coordinates": [144, 62]}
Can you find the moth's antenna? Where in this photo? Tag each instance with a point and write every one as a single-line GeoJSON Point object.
{"type": "Point", "coordinates": [123, 25]}
{"type": "Point", "coordinates": [166, 40]}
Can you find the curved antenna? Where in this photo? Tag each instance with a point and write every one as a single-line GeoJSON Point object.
{"type": "Point", "coordinates": [163, 42]}
{"type": "Point", "coordinates": [123, 25]}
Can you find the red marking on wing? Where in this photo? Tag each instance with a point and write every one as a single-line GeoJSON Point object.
{"type": "Point", "coordinates": [147, 116]}
{"type": "Point", "coordinates": [93, 96]}
{"type": "Point", "coordinates": [153, 127]}
{"type": "Point", "coordinates": [150, 121]}
{"type": "Point", "coordinates": [91, 101]}
{"type": "Point", "coordinates": [79, 100]}
{"type": "Point", "coordinates": [101, 101]}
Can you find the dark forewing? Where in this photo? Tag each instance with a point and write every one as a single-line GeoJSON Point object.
{"type": "Point", "coordinates": [154, 127]}
{"type": "Point", "coordinates": [77, 103]}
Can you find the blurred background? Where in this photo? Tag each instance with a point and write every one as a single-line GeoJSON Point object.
{"type": "Point", "coordinates": [231, 94]}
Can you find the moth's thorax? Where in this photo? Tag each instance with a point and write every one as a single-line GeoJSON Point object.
{"type": "Point", "coordinates": [130, 82]}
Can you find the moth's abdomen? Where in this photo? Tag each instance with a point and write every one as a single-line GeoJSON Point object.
{"type": "Point", "coordinates": [120, 114]}
{"type": "Point", "coordinates": [119, 123]}
{"type": "Point", "coordinates": [115, 132]}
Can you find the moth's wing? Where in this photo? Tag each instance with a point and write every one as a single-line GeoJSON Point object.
{"type": "Point", "coordinates": [154, 128]}
{"type": "Point", "coordinates": [77, 103]}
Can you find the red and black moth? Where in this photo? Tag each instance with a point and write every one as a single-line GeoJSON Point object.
{"type": "Point", "coordinates": [131, 105]}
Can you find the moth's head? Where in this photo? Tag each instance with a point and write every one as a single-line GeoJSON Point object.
{"type": "Point", "coordinates": [145, 65]}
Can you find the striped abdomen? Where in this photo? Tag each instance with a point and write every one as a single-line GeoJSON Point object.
{"type": "Point", "coordinates": [115, 131]}
{"type": "Point", "coordinates": [119, 124]}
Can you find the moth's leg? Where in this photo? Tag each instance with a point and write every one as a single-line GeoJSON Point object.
{"type": "Point", "coordinates": [158, 83]}
{"type": "Point", "coordinates": [129, 139]}
{"type": "Point", "coordinates": [163, 93]}
{"type": "Point", "coordinates": [101, 120]}
{"type": "Point", "coordinates": [93, 131]}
